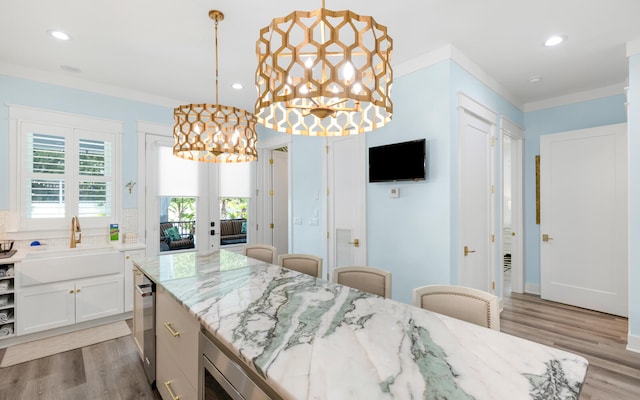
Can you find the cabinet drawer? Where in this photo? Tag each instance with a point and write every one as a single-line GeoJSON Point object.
{"type": "Point", "coordinates": [170, 376]}
{"type": "Point", "coordinates": [177, 333]}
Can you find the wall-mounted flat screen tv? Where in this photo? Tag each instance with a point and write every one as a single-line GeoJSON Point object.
{"type": "Point", "coordinates": [405, 161]}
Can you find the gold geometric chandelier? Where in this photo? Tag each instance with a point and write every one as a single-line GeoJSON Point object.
{"type": "Point", "coordinates": [324, 73]}
{"type": "Point", "coordinates": [214, 132]}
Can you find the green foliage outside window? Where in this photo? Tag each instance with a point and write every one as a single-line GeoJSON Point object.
{"type": "Point", "coordinates": [233, 207]}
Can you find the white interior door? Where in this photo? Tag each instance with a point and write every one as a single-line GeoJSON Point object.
{"type": "Point", "coordinates": [512, 222]}
{"type": "Point", "coordinates": [583, 220]}
{"type": "Point", "coordinates": [476, 200]}
{"type": "Point", "coordinates": [347, 203]}
{"type": "Point", "coordinates": [280, 200]}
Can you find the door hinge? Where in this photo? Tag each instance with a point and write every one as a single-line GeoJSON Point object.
{"type": "Point", "coordinates": [326, 149]}
{"type": "Point", "coordinates": [493, 285]}
{"type": "Point", "coordinates": [271, 226]}
{"type": "Point", "coordinates": [271, 193]}
{"type": "Point", "coordinates": [493, 189]}
{"type": "Point", "coordinates": [271, 161]}
{"type": "Point", "coordinates": [327, 235]}
{"type": "Point", "coordinates": [493, 141]}
{"type": "Point", "coordinates": [493, 238]}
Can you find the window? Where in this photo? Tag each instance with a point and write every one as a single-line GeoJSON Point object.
{"type": "Point", "coordinates": [67, 166]}
{"type": "Point", "coordinates": [234, 202]}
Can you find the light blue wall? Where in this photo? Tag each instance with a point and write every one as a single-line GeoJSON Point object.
{"type": "Point", "coordinates": [416, 235]}
{"type": "Point", "coordinates": [409, 235]}
{"type": "Point", "coordinates": [634, 197]}
{"type": "Point", "coordinates": [307, 195]}
{"type": "Point", "coordinates": [587, 114]}
{"type": "Point", "coordinates": [16, 91]}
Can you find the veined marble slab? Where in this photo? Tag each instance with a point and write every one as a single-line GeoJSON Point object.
{"type": "Point", "coordinates": [313, 339]}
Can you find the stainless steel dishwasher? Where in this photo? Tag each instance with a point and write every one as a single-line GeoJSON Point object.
{"type": "Point", "coordinates": [223, 376]}
{"type": "Point", "coordinates": [147, 291]}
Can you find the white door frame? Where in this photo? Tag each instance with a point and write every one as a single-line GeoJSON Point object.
{"type": "Point", "coordinates": [516, 133]}
{"type": "Point", "coordinates": [467, 105]}
{"type": "Point", "coordinates": [208, 210]}
{"type": "Point", "coordinates": [264, 212]}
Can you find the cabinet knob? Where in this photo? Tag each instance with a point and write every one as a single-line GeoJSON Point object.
{"type": "Point", "coordinates": [71, 291]}
{"type": "Point", "coordinates": [78, 291]}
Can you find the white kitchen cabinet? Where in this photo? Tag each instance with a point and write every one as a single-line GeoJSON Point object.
{"type": "Point", "coordinates": [176, 349]}
{"type": "Point", "coordinates": [57, 304]}
{"type": "Point", "coordinates": [98, 297]}
{"type": "Point", "coordinates": [129, 288]}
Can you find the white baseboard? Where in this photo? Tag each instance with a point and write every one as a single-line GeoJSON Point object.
{"type": "Point", "coordinates": [633, 343]}
{"type": "Point", "coordinates": [533, 288]}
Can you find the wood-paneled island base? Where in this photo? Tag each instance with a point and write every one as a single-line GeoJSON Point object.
{"type": "Point", "coordinates": [313, 339]}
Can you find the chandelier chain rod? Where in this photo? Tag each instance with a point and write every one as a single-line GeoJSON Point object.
{"type": "Point", "coordinates": [217, 73]}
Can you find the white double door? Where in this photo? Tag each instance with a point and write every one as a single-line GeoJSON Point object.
{"type": "Point", "coordinates": [583, 221]}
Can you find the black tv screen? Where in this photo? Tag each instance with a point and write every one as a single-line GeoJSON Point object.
{"type": "Point", "coordinates": [404, 161]}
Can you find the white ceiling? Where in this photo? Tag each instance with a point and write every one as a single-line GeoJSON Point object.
{"type": "Point", "coordinates": [165, 48]}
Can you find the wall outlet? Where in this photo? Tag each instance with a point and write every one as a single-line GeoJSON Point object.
{"type": "Point", "coordinates": [394, 192]}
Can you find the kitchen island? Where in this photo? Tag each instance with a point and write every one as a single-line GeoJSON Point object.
{"type": "Point", "coordinates": [313, 339]}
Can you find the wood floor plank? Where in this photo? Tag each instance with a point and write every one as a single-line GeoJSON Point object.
{"type": "Point", "coordinates": [110, 370]}
{"type": "Point", "coordinates": [614, 372]}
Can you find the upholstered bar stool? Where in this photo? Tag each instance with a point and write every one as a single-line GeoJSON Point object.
{"type": "Point", "coordinates": [465, 303]}
{"type": "Point", "coordinates": [305, 263]}
{"type": "Point", "coordinates": [262, 252]}
{"type": "Point", "coordinates": [367, 279]}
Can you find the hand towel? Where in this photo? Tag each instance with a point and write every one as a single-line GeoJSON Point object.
{"type": "Point", "coordinates": [10, 271]}
{"type": "Point", "coordinates": [5, 315]}
{"type": "Point", "coordinates": [4, 286]}
{"type": "Point", "coordinates": [4, 300]}
{"type": "Point", "coordinates": [6, 330]}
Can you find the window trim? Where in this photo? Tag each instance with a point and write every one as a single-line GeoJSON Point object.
{"type": "Point", "coordinates": [85, 127]}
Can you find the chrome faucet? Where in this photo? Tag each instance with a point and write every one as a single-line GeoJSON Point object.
{"type": "Point", "coordinates": [76, 233]}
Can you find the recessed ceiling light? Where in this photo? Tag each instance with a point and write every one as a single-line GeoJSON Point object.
{"type": "Point", "coordinates": [555, 40]}
{"type": "Point", "coordinates": [69, 68]}
{"type": "Point", "coordinates": [535, 79]}
{"type": "Point", "coordinates": [58, 34]}
{"type": "Point", "coordinates": [237, 86]}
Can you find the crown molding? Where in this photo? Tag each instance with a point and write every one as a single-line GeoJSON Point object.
{"type": "Point", "coordinates": [450, 52]}
{"type": "Point", "coordinates": [83, 84]}
{"type": "Point", "coordinates": [612, 90]}
{"type": "Point", "coordinates": [633, 48]}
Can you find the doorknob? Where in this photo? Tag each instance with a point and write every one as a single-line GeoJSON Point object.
{"type": "Point", "coordinates": [546, 237]}
{"type": "Point", "coordinates": [355, 243]}
{"type": "Point", "coordinates": [467, 251]}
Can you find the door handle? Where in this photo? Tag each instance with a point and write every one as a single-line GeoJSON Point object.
{"type": "Point", "coordinates": [355, 243]}
{"type": "Point", "coordinates": [546, 237]}
{"type": "Point", "coordinates": [467, 251]}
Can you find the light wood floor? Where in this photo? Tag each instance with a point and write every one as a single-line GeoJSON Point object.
{"type": "Point", "coordinates": [109, 370]}
{"type": "Point", "coordinates": [112, 370]}
{"type": "Point", "coordinates": [613, 374]}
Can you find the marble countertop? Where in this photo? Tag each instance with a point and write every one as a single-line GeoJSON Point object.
{"type": "Point", "coordinates": [313, 339]}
